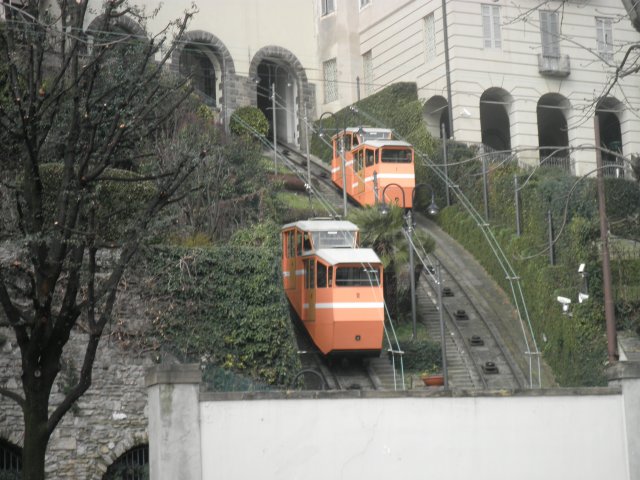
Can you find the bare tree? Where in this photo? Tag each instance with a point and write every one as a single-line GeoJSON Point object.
{"type": "Point", "coordinates": [72, 109]}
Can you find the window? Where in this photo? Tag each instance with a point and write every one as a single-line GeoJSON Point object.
{"type": "Point", "coordinates": [328, 7]}
{"type": "Point", "coordinates": [364, 3]}
{"type": "Point", "coordinates": [357, 277]}
{"type": "Point", "coordinates": [550, 32]}
{"type": "Point", "coordinates": [604, 38]}
{"type": "Point", "coordinates": [309, 273]}
{"type": "Point", "coordinates": [299, 244]}
{"type": "Point", "coordinates": [396, 155]}
{"type": "Point", "coordinates": [322, 276]}
{"type": "Point", "coordinates": [291, 248]}
{"type": "Point", "coordinates": [367, 67]}
{"type": "Point", "coordinates": [132, 465]}
{"type": "Point", "coordinates": [336, 239]}
{"type": "Point", "coordinates": [370, 155]}
{"type": "Point", "coordinates": [491, 26]}
{"type": "Point", "coordinates": [330, 71]}
{"type": "Point", "coordinates": [10, 460]}
{"type": "Point", "coordinates": [430, 36]}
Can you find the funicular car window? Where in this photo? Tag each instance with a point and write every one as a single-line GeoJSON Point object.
{"type": "Point", "coordinates": [336, 239]}
{"type": "Point", "coordinates": [291, 248]}
{"type": "Point", "coordinates": [369, 135]}
{"type": "Point", "coordinates": [321, 275]}
{"type": "Point", "coordinates": [357, 277]}
{"type": "Point", "coordinates": [309, 273]}
{"type": "Point", "coordinates": [369, 157]}
{"type": "Point", "coordinates": [396, 155]}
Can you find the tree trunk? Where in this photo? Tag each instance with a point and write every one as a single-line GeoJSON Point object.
{"type": "Point", "coordinates": [36, 435]}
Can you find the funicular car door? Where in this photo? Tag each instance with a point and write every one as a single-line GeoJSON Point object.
{"type": "Point", "coordinates": [359, 172]}
{"type": "Point", "coordinates": [310, 289]}
{"type": "Point", "coordinates": [290, 274]}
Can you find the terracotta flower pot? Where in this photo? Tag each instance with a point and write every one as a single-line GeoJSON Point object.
{"type": "Point", "coordinates": [433, 380]}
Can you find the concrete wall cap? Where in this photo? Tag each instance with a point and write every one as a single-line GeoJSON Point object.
{"type": "Point", "coordinates": [623, 371]}
{"type": "Point", "coordinates": [173, 374]}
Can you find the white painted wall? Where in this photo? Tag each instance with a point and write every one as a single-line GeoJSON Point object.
{"type": "Point", "coordinates": [522, 437]}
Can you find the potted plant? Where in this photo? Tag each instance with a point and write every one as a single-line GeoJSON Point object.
{"type": "Point", "coordinates": [432, 379]}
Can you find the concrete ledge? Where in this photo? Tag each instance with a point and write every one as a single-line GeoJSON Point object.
{"type": "Point", "coordinates": [426, 393]}
{"type": "Point", "coordinates": [623, 371]}
{"type": "Point", "coordinates": [173, 374]}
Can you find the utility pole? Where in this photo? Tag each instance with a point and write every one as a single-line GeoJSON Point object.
{"type": "Point", "coordinates": [609, 311]}
{"type": "Point", "coordinates": [306, 130]}
{"type": "Point", "coordinates": [273, 117]}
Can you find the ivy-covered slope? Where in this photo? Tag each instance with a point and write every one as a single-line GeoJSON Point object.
{"type": "Point", "coordinates": [223, 306]}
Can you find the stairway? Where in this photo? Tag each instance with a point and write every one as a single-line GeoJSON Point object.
{"type": "Point", "coordinates": [461, 374]}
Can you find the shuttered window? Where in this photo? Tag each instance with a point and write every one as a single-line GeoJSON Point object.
{"type": "Point", "coordinates": [327, 7]}
{"type": "Point", "coordinates": [367, 67]}
{"type": "Point", "coordinates": [550, 33]}
{"type": "Point", "coordinates": [604, 38]}
{"type": "Point", "coordinates": [491, 26]}
{"type": "Point", "coordinates": [430, 37]}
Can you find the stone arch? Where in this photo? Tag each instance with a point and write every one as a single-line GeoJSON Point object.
{"type": "Point", "coordinates": [553, 132]}
{"type": "Point", "coordinates": [495, 122]}
{"type": "Point", "coordinates": [130, 442]}
{"type": "Point", "coordinates": [130, 464]}
{"type": "Point", "coordinates": [123, 23]}
{"type": "Point", "coordinates": [207, 59]}
{"type": "Point", "coordinates": [435, 113]}
{"type": "Point", "coordinates": [281, 68]}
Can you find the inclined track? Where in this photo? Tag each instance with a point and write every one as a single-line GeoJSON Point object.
{"type": "Point", "coordinates": [475, 356]}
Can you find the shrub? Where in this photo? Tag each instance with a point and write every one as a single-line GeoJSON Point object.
{"type": "Point", "coordinates": [249, 121]}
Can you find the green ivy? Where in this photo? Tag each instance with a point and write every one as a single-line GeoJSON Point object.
{"type": "Point", "coordinates": [224, 306]}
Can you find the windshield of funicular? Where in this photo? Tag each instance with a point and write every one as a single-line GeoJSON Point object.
{"type": "Point", "coordinates": [334, 239]}
{"type": "Point", "coordinates": [396, 155]}
{"type": "Point", "coordinates": [376, 135]}
{"type": "Point", "coordinates": [358, 276]}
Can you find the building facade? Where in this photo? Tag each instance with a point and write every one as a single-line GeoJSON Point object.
{"type": "Point", "coordinates": [527, 76]}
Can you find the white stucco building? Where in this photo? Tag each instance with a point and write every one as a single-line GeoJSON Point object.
{"type": "Point", "coordinates": [522, 75]}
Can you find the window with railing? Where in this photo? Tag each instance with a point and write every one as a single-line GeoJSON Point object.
{"type": "Point", "coordinates": [10, 461]}
{"type": "Point", "coordinates": [131, 465]}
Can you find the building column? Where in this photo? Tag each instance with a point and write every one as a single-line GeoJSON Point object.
{"type": "Point", "coordinates": [174, 422]}
{"type": "Point", "coordinates": [626, 375]}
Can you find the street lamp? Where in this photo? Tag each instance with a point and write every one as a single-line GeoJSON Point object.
{"type": "Point", "coordinates": [342, 156]}
{"type": "Point", "coordinates": [432, 210]}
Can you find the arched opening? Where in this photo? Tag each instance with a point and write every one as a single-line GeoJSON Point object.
{"type": "Point", "coordinates": [495, 126]}
{"type": "Point", "coordinates": [553, 135]}
{"type": "Point", "coordinates": [436, 115]}
{"type": "Point", "coordinates": [199, 62]}
{"type": "Point", "coordinates": [273, 75]}
{"type": "Point", "coordinates": [10, 461]}
{"type": "Point", "coordinates": [131, 465]}
{"type": "Point", "coordinates": [608, 111]}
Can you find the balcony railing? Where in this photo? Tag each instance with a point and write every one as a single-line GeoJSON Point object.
{"type": "Point", "coordinates": [553, 66]}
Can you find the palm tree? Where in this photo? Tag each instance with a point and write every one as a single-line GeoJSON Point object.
{"type": "Point", "coordinates": [384, 234]}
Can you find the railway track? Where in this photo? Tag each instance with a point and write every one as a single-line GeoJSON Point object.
{"type": "Point", "coordinates": [476, 356]}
